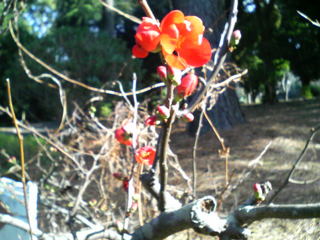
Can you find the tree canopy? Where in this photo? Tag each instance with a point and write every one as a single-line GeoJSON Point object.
{"type": "Point", "coordinates": [277, 39]}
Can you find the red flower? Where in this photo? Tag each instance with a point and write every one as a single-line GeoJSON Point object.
{"type": "Point", "coordinates": [182, 41]}
{"type": "Point", "coordinates": [180, 37]}
{"type": "Point", "coordinates": [145, 155]}
{"type": "Point", "coordinates": [147, 38]}
{"type": "Point", "coordinates": [124, 134]}
{"type": "Point", "coordinates": [188, 85]}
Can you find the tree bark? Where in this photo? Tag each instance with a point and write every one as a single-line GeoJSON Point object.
{"type": "Point", "coordinates": [227, 112]}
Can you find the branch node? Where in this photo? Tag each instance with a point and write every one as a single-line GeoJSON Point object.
{"type": "Point", "coordinates": [205, 219]}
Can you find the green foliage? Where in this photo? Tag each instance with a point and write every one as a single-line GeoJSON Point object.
{"type": "Point", "coordinates": [281, 67]}
{"type": "Point", "coordinates": [275, 33]}
{"type": "Point", "coordinates": [105, 109]}
{"type": "Point", "coordinates": [315, 89]}
{"type": "Point", "coordinates": [9, 147]}
{"type": "Point", "coordinates": [78, 12]}
{"type": "Point", "coordinates": [94, 58]}
{"type": "Point", "coordinates": [306, 92]}
{"type": "Point", "coordinates": [4, 18]}
{"type": "Point", "coordinates": [70, 36]}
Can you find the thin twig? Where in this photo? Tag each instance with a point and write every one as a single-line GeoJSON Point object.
{"type": "Point", "coordinates": [313, 133]}
{"type": "Point", "coordinates": [49, 141]}
{"type": "Point", "coordinates": [134, 147]}
{"type": "Point", "coordinates": [244, 175]}
{"type": "Point", "coordinates": [147, 10]}
{"type": "Point", "coordinates": [225, 151]}
{"type": "Point", "coordinates": [229, 80]}
{"type": "Point", "coordinates": [123, 14]}
{"type": "Point", "coordinates": [23, 170]}
{"type": "Point", "coordinates": [73, 81]}
{"type": "Point", "coordinates": [87, 180]}
{"type": "Point", "coordinates": [220, 55]}
{"type": "Point", "coordinates": [194, 155]}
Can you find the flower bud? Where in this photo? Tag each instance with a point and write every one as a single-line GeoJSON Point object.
{"type": "Point", "coordinates": [118, 175]}
{"type": "Point", "coordinates": [125, 184]}
{"type": "Point", "coordinates": [162, 72]}
{"type": "Point", "coordinates": [235, 39]}
{"type": "Point", "coordinates": [258, 192]}
{"type": "Point", "coordinates": [151, 121]}
{"type": "Point", "coordinates": [188, 117]}
{"type": "Point", "coordinates": [188, 85]}
{"type": "Point", "coordinates": [174, 75]}
{"type": "Point", "coordinates": [163, 112]}
{"type": "Point", "coordinates": [236, 35]}
{"type": "Point", "coordinates": [124, 134]}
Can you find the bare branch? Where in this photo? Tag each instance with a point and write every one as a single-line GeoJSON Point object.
{"type": "Point", "coordinates": [73, 81]}
{"type": "Point", "coordinates": [22, 160]}
{"type": "Point", "coordinates": [147, 10]}
{"type": "Point", "coordinates": [220, 54]}
{"type": "Point", "coordinates": [248, 214]}
{"type": "Point", "coordinates": [313, 133]}
{"type": "Point", "coordinates": [123, 14]}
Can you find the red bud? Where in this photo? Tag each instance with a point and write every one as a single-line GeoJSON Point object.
{"type": "Point", "coordinates": [188, 84]}
{"type": "Point", "coordinates": [162, 72]}
{"type": "Point", "coordinates": [188, 117]}
{"type": "Point", "coordinates": [163, 111]}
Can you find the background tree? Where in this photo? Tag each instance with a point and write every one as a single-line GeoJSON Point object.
{"type": "Point", "coordinates": [275, 33]}
{"type": "Point", "coordinates": [226, 112]}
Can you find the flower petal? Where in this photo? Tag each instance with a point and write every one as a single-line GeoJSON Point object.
{"type": "Point", "coordinates": [139, 52]}
{"type": "Point", "coordinates": [196, 25]}
{"type": "Point", "coordinates": [169, 38]}
{"type": "Point", "coordinates": [195, 54]}
{"type": "Point", "coordinates": [173, 17]}
{"type": "Point", "coordinates": [174, 60]}
{"type": "Point", "coordinates": [148, 39]}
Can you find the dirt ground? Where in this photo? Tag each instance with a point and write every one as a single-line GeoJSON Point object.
{"type": "Point", "coordinates": [287, 126]}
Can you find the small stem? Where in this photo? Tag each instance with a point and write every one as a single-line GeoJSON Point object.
{"type": "Point", "coordinates": [224, 153]}
{"type": "Point", "coordinates": [145, 6]}
{"type": "Point", "coordinates": [167, 127]}
{"type": "Point", "coordinates": [140, 213]}
{"type": "Point", "coordinates": [194, 161]}
{"type": "Point", "coordinates": [23, 171]}
{"type": "Point", "coordinates": [313, 133]}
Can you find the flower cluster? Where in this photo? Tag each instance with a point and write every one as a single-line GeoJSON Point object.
{"type": "Point", "coordinates": [178, 37]}
{"type": "Point", "coordinates": [180, 40]}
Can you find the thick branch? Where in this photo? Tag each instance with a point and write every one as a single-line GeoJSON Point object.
{"type": "Point", "coordinates": [249, 214]}
{"type": "Point", "coordinates": [199, 215]}
{"type": "Point", "coordinates": [152, 185]}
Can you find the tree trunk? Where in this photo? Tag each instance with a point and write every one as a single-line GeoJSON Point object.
{"type": "Point", "coordinates": [227, 112]}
